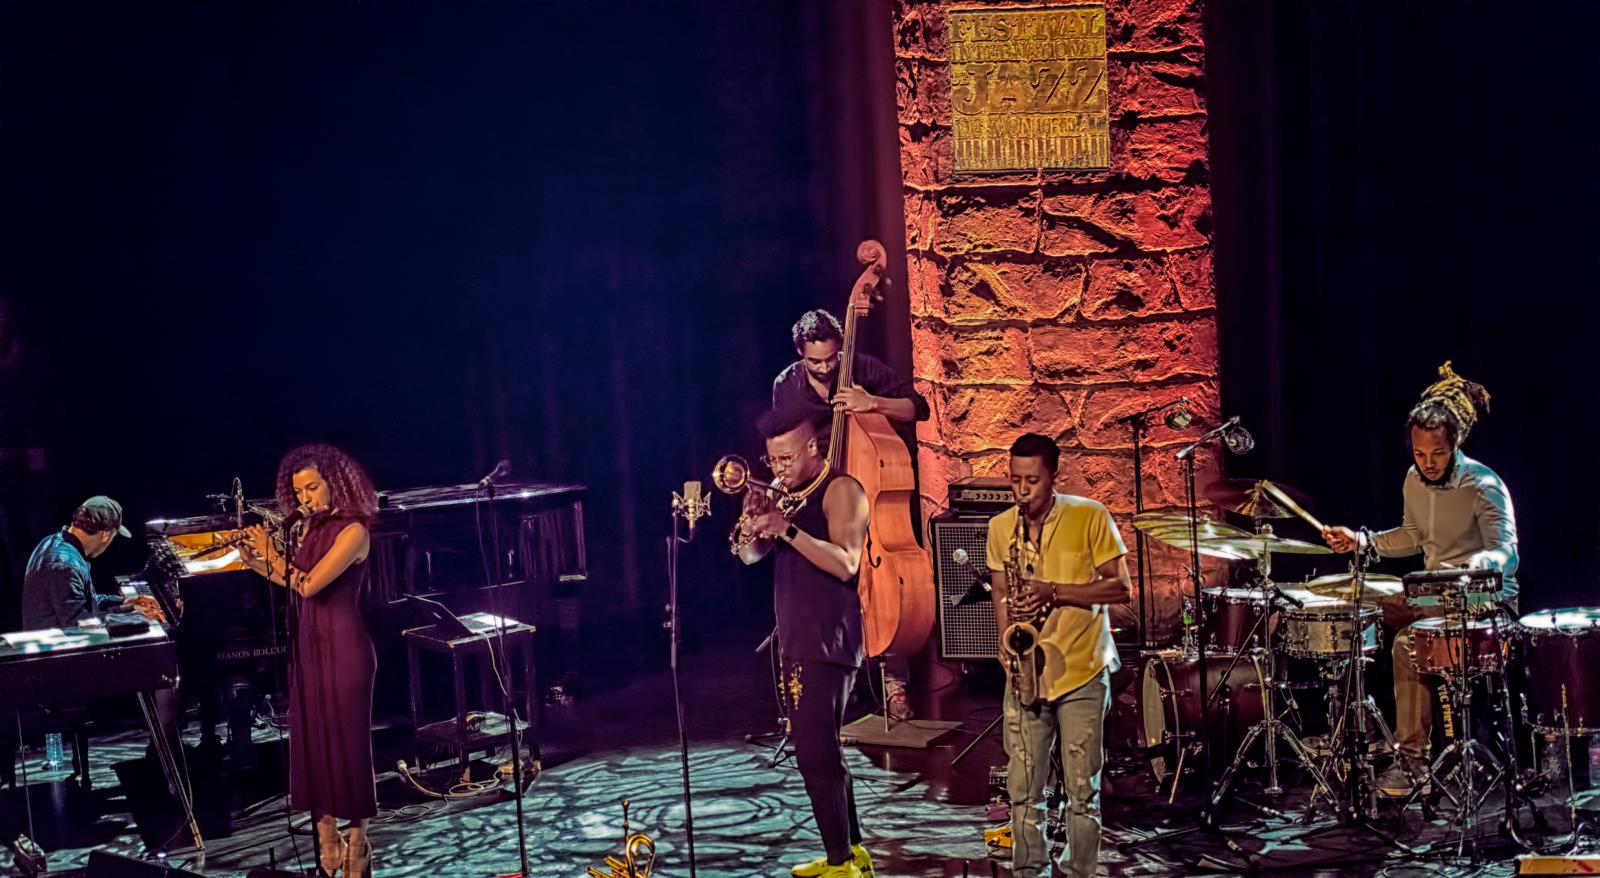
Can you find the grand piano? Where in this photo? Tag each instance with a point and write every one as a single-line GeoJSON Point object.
{"type": "Point", "coordinates": [434, 542]}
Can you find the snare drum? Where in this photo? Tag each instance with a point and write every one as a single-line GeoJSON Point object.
{"type": "Point", "coordinates": [1231, 619]}
{"type": "Point", "coordinates": [1562, 651]}
{"type": "Point", "coordinates": [1170, 702]}
{"type": "Point", "coordinates": [1323, 630]}
{"type": "Point", "coordinates": [1436, 645]}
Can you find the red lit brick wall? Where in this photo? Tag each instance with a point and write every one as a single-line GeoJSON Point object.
{"type": "Point", "coordinates": [1059, 302]}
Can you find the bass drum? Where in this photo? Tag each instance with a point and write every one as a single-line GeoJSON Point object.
{"type": "Point", "coordinates": [1170, 702]}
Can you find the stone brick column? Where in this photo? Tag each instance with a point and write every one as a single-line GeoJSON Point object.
{"type": "Point", "coordinates": [1059, 302]}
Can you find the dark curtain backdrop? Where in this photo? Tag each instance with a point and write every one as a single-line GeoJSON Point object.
{"type": "Point", "coordinates": [1397, 184]}
{"type": "Point", "coordinates": [570, 234]}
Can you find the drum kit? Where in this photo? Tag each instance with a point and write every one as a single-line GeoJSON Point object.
{"type": "Point", "coordinates": [1243, 634]}
{"type": "Point", "coordinates": [1258, 645]}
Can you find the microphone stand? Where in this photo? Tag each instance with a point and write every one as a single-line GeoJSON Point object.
{"type": "Point", "coordinates": [1138, 423]}
{"type": "Point", "coordinates": [1208, 809]}
{"type": "Point", "coordinates": [690, 509]}
{"type": "Point", "coordinates": [508, 704]}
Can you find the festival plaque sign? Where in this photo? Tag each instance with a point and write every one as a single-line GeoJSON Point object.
{"type": "Point", "coordinates": [1028, 88]}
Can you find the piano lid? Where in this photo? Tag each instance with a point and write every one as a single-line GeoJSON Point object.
{"type": "Point", "coordinates": [533, 496]}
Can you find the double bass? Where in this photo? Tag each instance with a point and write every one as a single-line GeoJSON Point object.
{"type": "Point", "coordinates": [896, 582]}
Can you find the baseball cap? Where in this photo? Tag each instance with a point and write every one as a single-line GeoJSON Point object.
{"type": "Point", "coordinates": [100, 513]}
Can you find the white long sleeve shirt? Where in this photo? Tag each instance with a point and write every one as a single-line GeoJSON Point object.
{"type": "Point", "coordinates": [1467, 522]}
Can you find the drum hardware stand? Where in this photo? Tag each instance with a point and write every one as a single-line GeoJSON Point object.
{"type": "Point", "coordinates": [1271, 728]}
{"type": "Point", "coordinates": [1466, 748]}
{"type": "Point", "coordinates": [1360, 805]}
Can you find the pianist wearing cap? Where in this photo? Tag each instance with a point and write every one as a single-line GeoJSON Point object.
{"type": "Point", "coordinates": [330, 733]}
{"type": "Point", "coordinates": [57, 589]}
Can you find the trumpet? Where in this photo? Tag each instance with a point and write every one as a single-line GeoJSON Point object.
{"type": "Point", "coordinates": [731, 475]}
{"type": "Point", "coordinates": [1019, 643]}
{"type": "Point", "coordinates": [638, 854]}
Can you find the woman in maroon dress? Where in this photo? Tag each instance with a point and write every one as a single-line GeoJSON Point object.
{"type": "Point", "coordinates": [330, 719]}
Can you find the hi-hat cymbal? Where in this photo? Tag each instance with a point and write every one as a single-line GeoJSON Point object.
{"type": "Point", "coordinates": [1247, 497]}
{"type": "Point", "coordinates": [1343, 585]}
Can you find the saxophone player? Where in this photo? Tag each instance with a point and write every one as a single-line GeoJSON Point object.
{"type": "Point", "coordinates": [1058, 562]}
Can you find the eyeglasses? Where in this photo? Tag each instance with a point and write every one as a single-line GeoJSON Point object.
{"type": "Point", "coordinates": [775, 461]}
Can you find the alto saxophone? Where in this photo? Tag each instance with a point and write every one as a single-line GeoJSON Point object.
{"type": "Point", "coordinates": [1019, 643]}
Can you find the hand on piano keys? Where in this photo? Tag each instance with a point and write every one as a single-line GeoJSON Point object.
{"type": "Point", "coordinates": [146, 606]}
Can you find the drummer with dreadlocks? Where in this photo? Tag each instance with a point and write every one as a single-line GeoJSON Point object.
{"type": "Point", "coordinates": [1457, 513]}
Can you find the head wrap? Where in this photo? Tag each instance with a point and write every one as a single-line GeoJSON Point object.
{"type": "Point", "coordinates": [1464, 399]}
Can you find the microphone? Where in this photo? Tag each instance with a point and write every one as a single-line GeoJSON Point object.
{"type": "Point", "coordinates": [981, 588]}
{"type": "Point", "coordinates": [500, 471]}
{"type": "Point", "coordinates": [1238, 439]}
{"type": "Point", "coordinates": [691, 504]}
{"type": "Point", "coordinates": [693, 507]}
{"type": "Point", "coordinates": [300, 513]}
{"type": "Point", "coordinates": [1180, 416]}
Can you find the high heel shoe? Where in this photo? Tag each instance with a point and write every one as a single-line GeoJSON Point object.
{"type": "Point", "coordinates": [340, 866]}
{"type": "Point", "coordinates": [358, 865]}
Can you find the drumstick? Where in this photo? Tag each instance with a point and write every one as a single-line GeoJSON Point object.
{"type": "Point", "coordinates": [1292, 506]}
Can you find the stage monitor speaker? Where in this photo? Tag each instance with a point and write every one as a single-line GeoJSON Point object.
{"type": "Point", "coordinates": [106, 865]}
{"type": "Point", "coordinates": [966, 631]}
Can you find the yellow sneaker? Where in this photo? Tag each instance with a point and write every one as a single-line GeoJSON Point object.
{"type": "Point", "coordinates": [860, 860]}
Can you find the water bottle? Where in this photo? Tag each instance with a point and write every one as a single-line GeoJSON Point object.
{"type": "Point", "coordinates": [53, 757]}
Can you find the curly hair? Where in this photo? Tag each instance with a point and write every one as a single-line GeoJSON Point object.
{"type": "Point", "coordinates": [816, 325]}
{"type": "Point", "coordinates": [350, 489]}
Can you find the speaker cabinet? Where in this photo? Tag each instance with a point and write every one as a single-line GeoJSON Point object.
{"type": "Point", "coordinates": [965, 631]}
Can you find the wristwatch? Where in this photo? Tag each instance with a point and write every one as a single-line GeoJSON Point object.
{"type": "Point", "coordinates": [790, 533]}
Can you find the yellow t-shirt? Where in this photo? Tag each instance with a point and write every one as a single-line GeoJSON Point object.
{"type": "Point", "coordinates": [1078, 536]}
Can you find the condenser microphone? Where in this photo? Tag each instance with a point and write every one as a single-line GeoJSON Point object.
{"type": "Point", "coordinates": [1180, 416]}
{"type": "Point", "coordinates": [500, 471]}
{"type": "Point", "coordinates": [692, 504]}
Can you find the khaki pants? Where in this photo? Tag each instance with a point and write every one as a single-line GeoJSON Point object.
{"type": "Point", "coordinates": [1413, 695]}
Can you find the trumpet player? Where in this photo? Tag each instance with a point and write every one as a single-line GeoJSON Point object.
{"type": "Point", "coordinates": [817, 558]}
{"type": "Point", "coordinates": [1058, 563]}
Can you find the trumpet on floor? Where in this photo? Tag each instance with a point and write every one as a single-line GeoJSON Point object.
{"type": "Point", "coordinates": [638, 854]}
{"type": "Point", "coordinates": [731, 475]}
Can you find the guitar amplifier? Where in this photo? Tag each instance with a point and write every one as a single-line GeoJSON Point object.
{"type": "Point", "coordinates": [966, 626]}
{"type": "Point", "coordinates": [980, 495]}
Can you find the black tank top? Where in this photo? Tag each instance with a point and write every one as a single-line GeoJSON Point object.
{"type": "Point", "coordinates": [819, 616]}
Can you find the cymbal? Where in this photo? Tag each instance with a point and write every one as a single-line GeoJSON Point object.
{"type": "Point", "coordinates": [1155, 523]}
{"type": "Point", "coordinates": [1256, 545]}
{"type": "Point", "coordinates": [1343, 585]}
{"type": "Point", "coordinates": [1173, 529]}
{"type": "Point", "coordinates": [1246, 497]}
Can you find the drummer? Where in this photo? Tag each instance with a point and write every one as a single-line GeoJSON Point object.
{"type": "Point", "coordinates": [1457, 513]}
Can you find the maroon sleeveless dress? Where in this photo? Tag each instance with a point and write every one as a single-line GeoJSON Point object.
{"type": "Point", "coordinates": [330, 690]}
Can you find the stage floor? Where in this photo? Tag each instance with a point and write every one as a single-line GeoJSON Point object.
{"type": "Point", "coordinates": [921, 817]}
